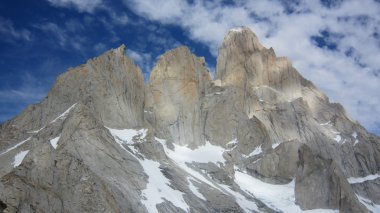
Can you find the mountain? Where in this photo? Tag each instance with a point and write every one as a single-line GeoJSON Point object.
{"type": "Point", "coordinates": [257, 138]}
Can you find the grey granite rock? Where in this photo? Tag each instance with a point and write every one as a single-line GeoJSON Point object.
{"type": "Point", "coordinates": [321, 184]}
{"type": "Point", "coordinates": [270, 123]}
{"type": "Point", "coordinates": [278, 165]}
{"type": "Point", "coordinates": [111, 85]}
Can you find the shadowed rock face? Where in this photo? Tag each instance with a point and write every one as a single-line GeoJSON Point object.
{"type": "Point", "coordinates": [321, 184]}
{"type": "Point", "coordinates": [102, 141]}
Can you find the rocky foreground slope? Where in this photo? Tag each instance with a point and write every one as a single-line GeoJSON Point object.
{"type": "Point", "coordinates": [257, 138]}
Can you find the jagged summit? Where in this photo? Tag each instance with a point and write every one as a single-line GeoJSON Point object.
{"type": "Point", "coordinates": [120, 50]}
{"type": "Point", "coordinates": [110, 84]}
{"type": "Point", "coordinates": [243, 38]}
{"type": "Point", "coordinates": [258, 138]}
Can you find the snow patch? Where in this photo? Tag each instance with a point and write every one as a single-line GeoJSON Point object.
{"type": "Point", "coordinates": [64, 114]}
{"type": "Point", "coordinates": [54, 142]}
{"type": "Point", "coordinates": [19, 158]}
{"type": "Point", "coordinates": [233, 142]}
{"type": "Point", "coordinates": [237, 29]}
{"type": "Point", "coordinates": [328, 123]}
{"type": "Point", "coordinates": [355, 135]}
{"type": "Point", "coordinates": [338, 138]}
{"type": "Point", "coordinates": [257, 151]}
{"type": "Point", "coordinates": [202, 154]}
{"type": "Point", "coordinates": [158, 188]}
{"type": "Point", "coordinates": [275, 145]}
{"type": "Point", "coordinates": [356, 142]}
{"type": "Point", "coordinates": [181, 162]}
{"type": "Point", "coordinates": [369, 204]}
{"type": "Point", "coordinates": [278, 197]}
{"type": "Point", "coordinates": [353, 180]}
{"type": "Point", "coordinates": [247, 205]}
{"type": "Point", "coordinates": [193, 189]}
{"type": "Point", "coordinates": [15, 146]}
{"type": "Point", "coordinates": [127, 135]}
{"type": "Point", "coordinates": [36, 131]}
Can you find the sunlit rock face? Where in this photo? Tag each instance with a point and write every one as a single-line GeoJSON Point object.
{"type": "Point", "coordinates": [177, 84]}
{"type": "Point", "coordinates": [257, 138]}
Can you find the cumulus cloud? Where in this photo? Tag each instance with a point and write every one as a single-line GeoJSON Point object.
{"type": "Point", "coordinates": [81, 5]}
{"type": "Point", "coordinates": [336, 45]}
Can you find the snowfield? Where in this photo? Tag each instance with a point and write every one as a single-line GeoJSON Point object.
{"type": "Point", "coordinates": [202, 154]}
{"type": "Point", "coordinates": [127, 135]}
{"type": "Point", "coordinates": [158, 188]}
{"type": "Point", "coordinates": [278, 197]}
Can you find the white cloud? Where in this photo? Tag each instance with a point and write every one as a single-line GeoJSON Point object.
{"type": "Point", "coordinates": [143, 60]}
{"type": "Point", "coordinates": [346, 78]}
{"type": "Point", "coordinates": [100, 48]}
{"type": "Point", "coordinates": [163, 10]}
{"type": "Point", "coordinates": [81, 5]}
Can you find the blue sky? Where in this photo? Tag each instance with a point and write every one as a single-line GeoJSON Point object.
{"type": "Point", "coordinates": [335, 44]}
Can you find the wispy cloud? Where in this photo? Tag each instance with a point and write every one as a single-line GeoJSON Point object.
{"type": "Point", "coordinates": [10, 33]}
{"type": "Point", "coordinates": [30, 90]}
{"type": "Point", "coordinates": [66, 37]}
{"type": "Point", "coordinates": [81, 5]}
{"type": "Point", "coordinates": [344, 63]}
{"type": "Point", "coordinates": [143, 60]}
{"type": "Point", "coordinates": [100, 48]}
{"type": "Point", "coordinates": [92, 6]}
{"type": "Point", "coordinates": [116, 18]}
{"type": "Point", "coordinates": [13, 100]}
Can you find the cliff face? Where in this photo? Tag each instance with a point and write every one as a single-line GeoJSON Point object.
{"type": "Point", "coordinates": [177, 84]}
{"type": "Point", "coordinates": [258, 138]}
{"type": "Point", "coordinates": [111, 85]}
